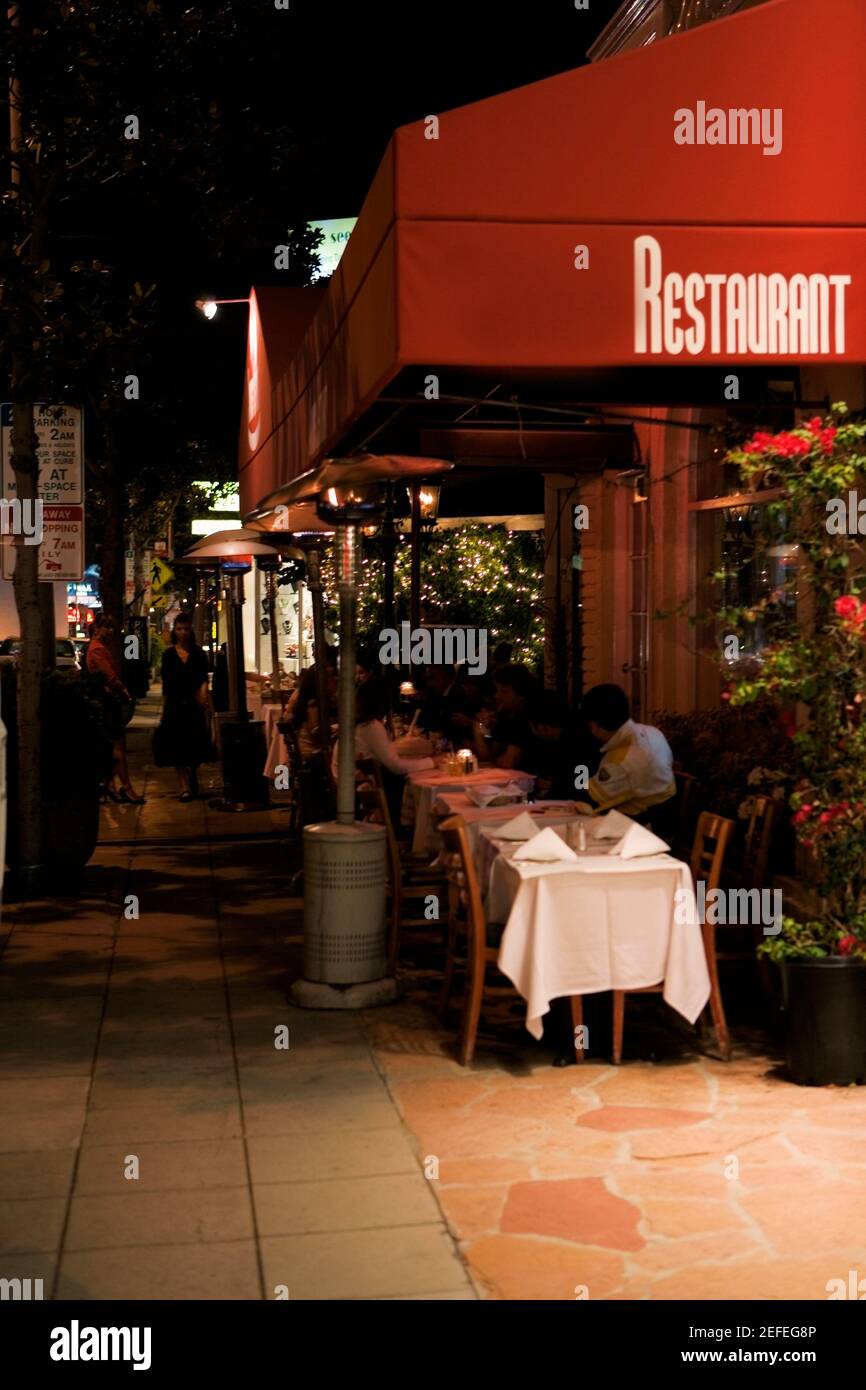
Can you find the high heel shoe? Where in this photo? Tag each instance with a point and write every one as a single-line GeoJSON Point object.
{"type": "Point", "coordinates": [111, 794]}
{"type": "Point", "coordinates": [126, 800]}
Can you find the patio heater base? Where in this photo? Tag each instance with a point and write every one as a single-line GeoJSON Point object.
{"type": "Point", "coordinates": [306, 994]}
{"type": "Point", "coordinates": [344, 904]}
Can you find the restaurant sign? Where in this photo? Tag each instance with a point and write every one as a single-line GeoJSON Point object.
{"type": "Point", "coordinates": [706, 312]}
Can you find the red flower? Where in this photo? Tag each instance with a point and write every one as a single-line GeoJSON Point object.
{"type": "Point", "coordinates": [847, 606]}
{"type": "Point", "coordinates": [816, 424]}
{"type": "Point", "coordinates": [826, 438]}
{"type": "Point", "coordinates": [759, 442]}
{"type": "Point", "coordinates": [846, 945]}
{"type": "Point", "coordinates": [807, 810]}
{"type": "Point", "coordinates": [807, 844]}
{"type": "Point", "coordinates": [800, 816]}
{"type": "Point", "coordinates": [825, 817]}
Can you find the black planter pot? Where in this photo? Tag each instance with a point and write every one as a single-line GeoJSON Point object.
{"type": "Point", "coordinates": [825, 1020]}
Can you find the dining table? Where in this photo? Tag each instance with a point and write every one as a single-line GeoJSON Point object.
{"type": "Point", "coordinates": [423, 788]}
{"type": "Point", "coordinates": [593, 922]}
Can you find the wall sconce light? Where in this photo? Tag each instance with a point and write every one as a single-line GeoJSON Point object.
{"type": "Point", "coordinates": [428, 502]}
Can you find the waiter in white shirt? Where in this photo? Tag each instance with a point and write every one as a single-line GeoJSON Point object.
{"type": "Point", "coordinates": [635, 773]}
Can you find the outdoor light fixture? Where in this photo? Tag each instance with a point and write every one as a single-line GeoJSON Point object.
{"type": "Point", "coordinates": [428, 501]}
{"type": "Point", "coordinates": [209, 307]}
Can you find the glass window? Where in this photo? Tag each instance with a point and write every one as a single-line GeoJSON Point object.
{"type": "Point", "coordinates": [752, 566]}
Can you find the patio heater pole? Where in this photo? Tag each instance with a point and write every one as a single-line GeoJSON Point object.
{"type": "Point", "coordinates": [347, 578]}
{"type": "Point", "coordinates": [389, 549]}
{"type": "Point", "coordinates": [415, 587]}
{"type": "Point", "coordinates": [233, 597]}
{"type": "Point", "coordinates": [314, 584]}
{"type": "Point", "coordinates": [271, 594]}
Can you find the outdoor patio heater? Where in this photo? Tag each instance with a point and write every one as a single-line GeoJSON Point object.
{"type": "Point", "coordinates": [302, 526]}
{"type": "Point", "coordinates": [242, 740]}
{"type": "Point", "coordinates": [345, 861]}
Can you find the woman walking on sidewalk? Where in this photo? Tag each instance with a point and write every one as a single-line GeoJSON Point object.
{"type": "Point", "coordinates": [113, 696]}
{"type": "Point", "coordinates": [183, 740]}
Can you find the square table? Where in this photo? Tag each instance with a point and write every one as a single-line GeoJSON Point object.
{"type": "Point", "coordinates": [425, 787]}
{"type": "Point", "coordinates": [599, 924]}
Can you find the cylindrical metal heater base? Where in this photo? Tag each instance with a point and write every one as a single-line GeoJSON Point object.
{"type": "Point", "coordinates": [344, 903]}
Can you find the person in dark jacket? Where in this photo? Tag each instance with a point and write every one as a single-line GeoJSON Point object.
{"type": "Point", "coordinates": [183, 739]}
{"type": "Point", "coordinates": [565, 754]}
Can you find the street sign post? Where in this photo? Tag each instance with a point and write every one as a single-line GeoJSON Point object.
{"type": "Point", "coordinates": [60, 457]}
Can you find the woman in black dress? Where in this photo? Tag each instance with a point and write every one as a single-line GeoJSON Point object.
{"type": "Point", "coordinates": [183, 737]}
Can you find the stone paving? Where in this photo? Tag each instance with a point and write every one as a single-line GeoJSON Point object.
{"type": "Point", "coordinates": [363, 1162]}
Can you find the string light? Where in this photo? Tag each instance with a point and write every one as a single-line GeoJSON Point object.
{"type": "Point", "coordinates": [479, 575]}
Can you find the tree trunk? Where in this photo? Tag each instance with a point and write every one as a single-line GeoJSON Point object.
{"type": "Point", "coordinates": [30, 658]}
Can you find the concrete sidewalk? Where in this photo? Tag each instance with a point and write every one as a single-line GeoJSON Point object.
{"type": "Point", "coordinates": [157, 1142]}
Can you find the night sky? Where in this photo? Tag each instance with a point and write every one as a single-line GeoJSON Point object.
{"type": "Point", "coordinates": [342, 77]}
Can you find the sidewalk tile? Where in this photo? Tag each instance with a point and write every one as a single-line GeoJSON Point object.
{"type": "Point", "coordinates": [171, 1272]}
{"type": "Point", "coordinates": [36, 1174]}
{"type": "Point", "coordinates": [195, 1120]}
{"type": "Point", "coordinates": [363, 1264]}
{"type": "Point", "coordinates": [163, 1167]}
{"type": "Point", "coordinates": [344, 1204]}
{"type": "Point", "coordinates": [31, 1224]}
{"type": "Point", "coordinates": [159, 1218]}
{"type": "Point", "coordinates": [312, 1156]}
{"type": "Point", "coordinates": [337, 1111]}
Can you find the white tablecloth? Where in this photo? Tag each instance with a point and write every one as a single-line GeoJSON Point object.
{"type": "Point", "coordinates": [601, 924]}
{"type": "Point", "coordinates": [482, 830]}
{"type": "Point", "coordinates": [424, 787]}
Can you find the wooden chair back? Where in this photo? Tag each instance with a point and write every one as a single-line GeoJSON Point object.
{"type": "Point", "coordinates": [464, 893]}
{"type": "Point", "coordinates": [759, 836]}
{"type": "Point", "coordinates": [712, 835]}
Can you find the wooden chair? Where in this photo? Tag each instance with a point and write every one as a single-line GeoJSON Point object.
{"type": "Point", "coordinates": [707, 858]}
{"type": "Point", "coordinates": [759, 837]}
{"type": "Point", "coordinates": [479, 940]}
{"type": "Point", "coordinates": [405, 881]}
{"type": "Point", "coordinates": [752, 873]}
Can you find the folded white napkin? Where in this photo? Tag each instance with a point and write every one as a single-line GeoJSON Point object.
{"type": "Point", "coordinates": [612, 826]}
{"type": "Point", "coordinates": [481, 793]}
{"type": "Point", "coordinates": [521, 827]}
{"type": "Point", "coordinates": [639, 841]}
{"type": "Point", "coordinates": [545, 847]}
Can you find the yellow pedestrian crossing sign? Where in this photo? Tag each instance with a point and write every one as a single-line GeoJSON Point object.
{"type": "Point", "coordinates": [160, 575]}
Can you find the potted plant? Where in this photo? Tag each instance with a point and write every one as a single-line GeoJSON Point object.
{"type": "Point", "coordinates": [814, 663]}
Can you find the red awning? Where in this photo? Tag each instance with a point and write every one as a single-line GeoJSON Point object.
{"type": "Point", "coordinates": [696, 253]}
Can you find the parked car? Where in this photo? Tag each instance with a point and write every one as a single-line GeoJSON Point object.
{"type": "Point", "coordinates": [64, 651]}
